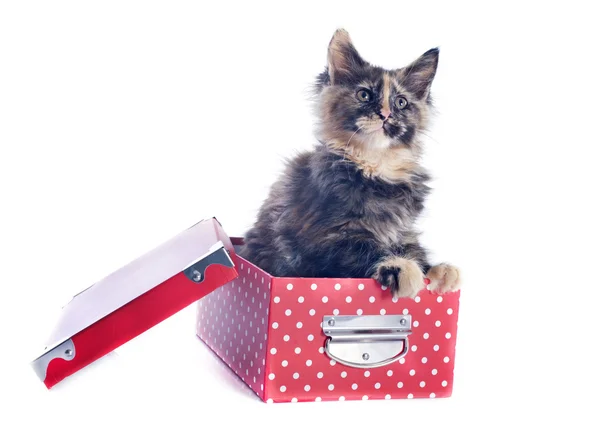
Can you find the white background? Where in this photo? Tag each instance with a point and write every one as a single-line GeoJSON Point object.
{"type": "Point", "coordinates": [122, 123]}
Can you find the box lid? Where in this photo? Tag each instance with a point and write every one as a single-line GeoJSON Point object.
{"type": "Point", "coordinates": [136, 297]}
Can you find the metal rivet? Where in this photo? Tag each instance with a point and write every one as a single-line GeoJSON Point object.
{"type": "Point", "coordinates": [365, 356]}
{"type": "Point", "coordinates": [197, 276]}
{"type": "Point", "coordinates": [402, 322]}
{"type": "Point", "coordinates": [331, 322]}
{"type": "Point", "coordinates": [69, 352]}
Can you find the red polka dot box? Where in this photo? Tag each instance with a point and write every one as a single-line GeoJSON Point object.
{"type": "Point", "coordinates": [308, 339]}
{"type": "Point", "coordinates": [288, 339]}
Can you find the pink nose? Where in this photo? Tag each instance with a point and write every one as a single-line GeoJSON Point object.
{"type": "Point", "coordinates": [385, 114]}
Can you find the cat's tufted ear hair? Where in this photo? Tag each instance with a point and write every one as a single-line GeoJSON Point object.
{"type": "Point", "coordinates": [418, 76]}
{"type": "Point", "coordinates": [342, 57]}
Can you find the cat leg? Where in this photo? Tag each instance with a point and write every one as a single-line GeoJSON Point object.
{"type": "Point", "coordinates": [402, 275]}
{"type": "Point", "coordinates": [444, 278]}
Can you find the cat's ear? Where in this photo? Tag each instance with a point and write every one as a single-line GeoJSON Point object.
{"type": "Point", "coordinates": [418, 76]}
{"type": "Point", "coordinates": [342, 57]}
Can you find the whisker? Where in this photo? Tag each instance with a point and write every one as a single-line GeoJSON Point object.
{"type": "Point", "coordinates": [347, 145]}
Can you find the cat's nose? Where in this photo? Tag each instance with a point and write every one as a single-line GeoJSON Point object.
{"type": "Point", "coordinates": [385, 113]}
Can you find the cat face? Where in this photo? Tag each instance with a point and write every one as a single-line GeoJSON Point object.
{"type": "Point", "coordinates": [364, 107]}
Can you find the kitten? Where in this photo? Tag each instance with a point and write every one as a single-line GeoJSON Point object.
{"type": "Point", "coordinates": [347, 208]}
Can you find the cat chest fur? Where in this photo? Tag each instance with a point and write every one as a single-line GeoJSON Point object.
{"type": "Point", "coordinates": [386, 220]}
{"type": "Point", "coordinates": [339, 196]}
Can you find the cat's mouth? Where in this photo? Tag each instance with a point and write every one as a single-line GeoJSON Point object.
{"type": "Point", "coordinates": [374, 128]}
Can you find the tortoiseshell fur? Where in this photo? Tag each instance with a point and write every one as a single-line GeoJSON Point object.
{"type": "Point", "coordinates": [348, 207]}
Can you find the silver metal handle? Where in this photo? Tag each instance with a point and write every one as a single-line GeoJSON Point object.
{"type": "Point", "coordinates": [366, 341]}
{"type": "Point", "coordinates": [366, 356]}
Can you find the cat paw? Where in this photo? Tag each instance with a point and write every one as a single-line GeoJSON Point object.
{"type": "Point", "coordinates": [403, 276]}
{"type": "Point", "coordinates": [444, 278]}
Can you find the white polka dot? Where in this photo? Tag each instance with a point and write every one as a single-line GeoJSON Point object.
{"type": "Point", "coordinates": [432, 395]}
{"type": "Point", "coordinates": [317, 399]}
{"type": "Point", "coordinates": [382, 311]}
{"type": "Point", "coordinates": [294, 400]}
{"type": "Point", "coordinates": [312, 312]}
{"type": "Point", "coordinates": [337, 287]}
{"type": "Point", "coordinates": [289, 287]}
{"type": "Point", "coordinates": [299, 325]}
{"type": "Point", "coordinates": [313, 286]}
{"type": "Point", "coordinates": [364, 398]}
{"type": "Point", "coordinates": [413, 348]}
{"type": "Point", "coordinates": [325, 299]}
{"type": "Point", "coordinates": [367, 373]}
{"type": "Point", "coordinates": [275, 325]}
{"type": "Point", "coordinates": [394, 299]}
{"type": "Point", "coordinates": [300, 299]}
{"type": "Point", "coordinates": [319, 375]}
{"type": "Point", "coordinates": [388, 396]}
{"type": "Point", "coordinates": [410, 396]}
{"type": "Point", "coordinates": [359, 311]}
{"type": "Point", "coordinates": [288, 312]}
{"type": "Point", "coordinates": [438, 323]}
{"type": "Point", "coordinates": [341, 398]}
{"type": "Point", "coordinates": [361, 287]}
{"type": "Point", "coordinates": [348, 299]}
{"type": "Point", "coordinates": [377, 385]}
{"type": "Point", "coordinates": [411, 372]}
{"type": "Point", "coordinates": [425, 335]}
{"type": "Point", "coordinates": [306, 388]}
{"type": "Point", "coordinates": [321, 350]}
{"type": "Point", "coordinates": [284, 363]}
{"type": "Point", "coordinates": [296, 376]}
{"type": "Point", "coordinates": [282, 389]}
{"type": "Point", "coordinates": [273, 351]}
{"type": "Point", "coordinates": [276, 300]}
{"type": "Point", "coordinates": [424, 360]}
{"type": "Point", "coordinates": [436, 348]}
{"type": "Point", "coordinates": [446, 359]}
{"type": "Point", "coordinates": [416, 323]}
{"type": "Point", "coordinates": [286, 338]}
{"type": "Point", "coordinates": [331, 387]}
{"type": "Point", "coordinates": [427, 311]}
{"type": "Point", "coordinates": [354, 386]}
{"type": "Point", "coordinates": [402, 361]}
{"type": "Point", "coordinates": [311, 337]}
{"type": "Point", "coordinates": [405, 311]}
{"type": "Point", "coordinates": [400, 385]}
{"type": "Point", "coordinates": [343, 374]}
{"type": "Point", "coordinates": [371, 299]}
{"type": "Point", "coordinates": [444, 383]}
{"type": "Point", "coordinates": [308, 363]}
{"type": "Point", "coordinates": [336, 312]}
{"type": "Point", "coordinates": [440, 299]}
{"type": "Point", "coordinates": [434, 372]}
{"type": "Point", "coordinates": [332, 363]}
{"type": "Point", "coordinates": [417, 299]}
{"type": "Point", "coordinates": [269, 400]}
{"type": "Point", "coordinates": [448, 335]}
{"type": "Point", "coordinates": [271, 376]}
{"type": "Point", "coordinates": [390, 373]}
{"type": "Point", "coordinates": [449, 311]}
{"type": "Point", "coordinates": [297, 350]}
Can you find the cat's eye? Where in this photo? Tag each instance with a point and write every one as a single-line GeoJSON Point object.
{"type": "Point", "coordinates": [400, 102]}
{"type": "Point", "coordinates": [363, 95]}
